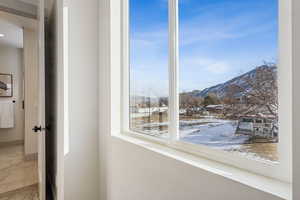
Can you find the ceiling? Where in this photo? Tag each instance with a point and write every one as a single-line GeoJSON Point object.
{"type": "Point", "coordinates": [12, 26]}
{"type": "Point", "coordinates": [33, 2]}
{"type": "Point", "coordinates": [13, 35]}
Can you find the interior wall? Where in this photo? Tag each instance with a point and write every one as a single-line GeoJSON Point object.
{"type": "Point", "coordinates": [11, 62]}
{"type": "Point", "coordinates": [31, 90]}
{"type": "Point", "coordinates": [146, 175]}
{"type": "Point", "coordinates": [81, 161]}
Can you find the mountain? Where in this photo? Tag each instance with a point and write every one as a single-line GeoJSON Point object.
{"type": "Point", "coordinates": [242, 81]}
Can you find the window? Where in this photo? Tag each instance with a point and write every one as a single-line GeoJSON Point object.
{"type": "Point", "coordinates": [228, 75]}
{"type": "Point", "coordinates": [204, 76]}
{"type": "Point", "coordinates": [149, 90]}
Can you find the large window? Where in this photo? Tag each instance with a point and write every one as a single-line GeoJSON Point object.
{"type": "Point", "coordinates": [204, 76]}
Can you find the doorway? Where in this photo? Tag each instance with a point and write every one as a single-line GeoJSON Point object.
{"type": "Point", "coordinates": [22, 102]}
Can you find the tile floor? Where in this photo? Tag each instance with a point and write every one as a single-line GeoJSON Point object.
{"type": "Point", "coordinates": [18, 178]}
{"type": "Point", "coordinates": [28, 193]}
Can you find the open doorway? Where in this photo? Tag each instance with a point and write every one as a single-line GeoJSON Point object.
{"type": "Point", "coordinates": [22, 115]}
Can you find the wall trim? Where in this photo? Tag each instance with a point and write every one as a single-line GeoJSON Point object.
{"type": "Point", "coordinates": [29, 157]}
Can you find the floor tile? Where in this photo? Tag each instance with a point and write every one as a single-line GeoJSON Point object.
{"type": "Point", "coordinates": [15, 172]}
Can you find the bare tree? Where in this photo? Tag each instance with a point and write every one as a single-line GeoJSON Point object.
{"type": "Point", "coordinates": [190, 102]}
{"type": "Point", "coordinates": [211, 99]}
{"type": "Point", "coordinates": [260, 93]}
{"type": "Point", "coordinates": [264, 89]}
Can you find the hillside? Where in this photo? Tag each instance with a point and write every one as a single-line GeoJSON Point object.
{"type": "Point", "coordinates": [222, 89]}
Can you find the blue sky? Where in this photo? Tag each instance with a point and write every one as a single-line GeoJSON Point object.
{"type": "Point", "coordinates": [219, 39]}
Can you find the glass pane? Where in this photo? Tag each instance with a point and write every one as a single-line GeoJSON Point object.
{"type": "Point", "coordinates": [228, 75]}
{"type": "Point", "coordinates": [149, 67]}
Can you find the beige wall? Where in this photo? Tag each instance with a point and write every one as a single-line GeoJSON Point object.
{"type": "Point", "coordinates": [31, 90]}
{"type": "Point", "coordinates": [11, 62]}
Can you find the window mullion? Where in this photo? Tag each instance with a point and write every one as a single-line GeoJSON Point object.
{"type": "Point", "coordinates": [125, 96]}
{"type": "Point", "coordinates": [173, 71]}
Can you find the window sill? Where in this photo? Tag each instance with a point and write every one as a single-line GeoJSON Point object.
{"type": "Point", "coordinates": [265, 184]}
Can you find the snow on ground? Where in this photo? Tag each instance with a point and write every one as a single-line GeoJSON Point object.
{"type": "Point", "coordinates": [215, 133]}
{"type": "Point", "coordinates": [219, 134]}
{"type": "Point", "coordinates": [209, 131]}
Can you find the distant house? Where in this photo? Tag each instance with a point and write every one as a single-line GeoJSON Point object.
{"type": "Point", "coordinates": [258, 125]}
{"type": "Point", "coordinates": [215, 108]}
{"type": "Point", "coordinates": [137, 111]}
{"type": "Point", "coordinates": [182, 111]}
{"type": "Point", "coordinates": [192, 110]}
{"type": "Point", "coordinates": [161, 109]}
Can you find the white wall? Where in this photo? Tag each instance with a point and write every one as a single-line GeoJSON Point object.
{"type": "Point", "coordinates": [139, 174]}
{"type": "Point", "coordinates": [11, 62]}
{"type": "Point", "coordinates": [81, 173]}
{"type": "Point", "coordinates": [31, 90]}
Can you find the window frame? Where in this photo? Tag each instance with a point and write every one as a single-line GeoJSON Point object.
{"type": "Point", "coordinates": [281, 171]}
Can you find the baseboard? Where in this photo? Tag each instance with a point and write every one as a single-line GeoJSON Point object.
{"type": "Point", "coordinates": [11, 143]}
{"type": "Point", "coordinates": [33, 156]}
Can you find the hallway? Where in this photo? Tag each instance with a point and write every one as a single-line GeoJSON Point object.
{"type": "Point", "coordinates": [18, 177]}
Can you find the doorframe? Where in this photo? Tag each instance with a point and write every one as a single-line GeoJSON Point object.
{"type": "Point", "coordinates": [33, 25]}
{"type": "Point", "coordinates": [41, 100]}
{"type": "Point", "coordinates": [62, 98]}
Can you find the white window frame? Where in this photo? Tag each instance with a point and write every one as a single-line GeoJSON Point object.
{"type": "Point", "coordinates": [281, 171]}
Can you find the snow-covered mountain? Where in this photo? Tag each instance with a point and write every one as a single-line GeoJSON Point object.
{"type": "Point", "coordinates": [222, 89]}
